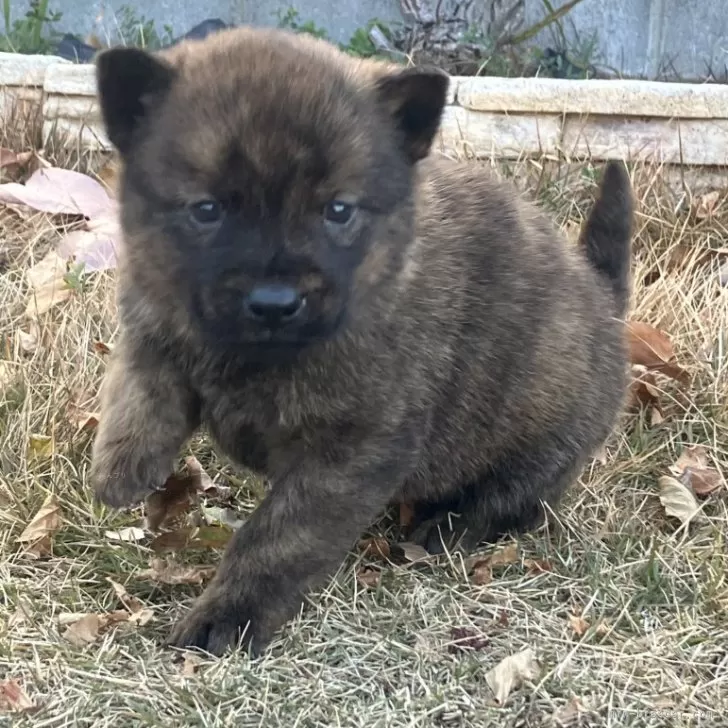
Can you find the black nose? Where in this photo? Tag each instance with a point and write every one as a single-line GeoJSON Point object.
{"type": "Point", "coordinates": [273, 304]}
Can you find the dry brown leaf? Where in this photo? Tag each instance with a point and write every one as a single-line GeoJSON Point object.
{"type": "Point", "coordinates": [505, 556]}
{"type": "Point", "coordinates": [693, 469]}
{"type": "Point", "coordinates": [176, 497]}
{"type": "Point", "coordinates": [677, 499]}
{"type": "Point", "coordinates": [47, 283]}
{"type": "Point", "coordinates": [190, 664]}
{"type": "Point", "coordinates": [28, 340]}
{"type": "Point", "coordinates": [369, 577]}
{"type": "Point", "coordinates": [13, 698]}
{"type": "Point", "coordinates": [83, 631]}
{"type": "Point", "coordinates": [412, 551]}
{"type": "Point", "coordinates": [537, 566]}
{"type": "Point", "coordinates": [101, 348]}
{"type": "Point", "coordinates": [129, 534]}
{"type": "Point", "coordinates": [707, 205]}
{"type": "Point", "coordinates": [482, 573]}
{"type": "Point", "coordinates": [465, 639]}
{"type": "Point", "coordinates": [651, 348]}
{"type": "Point", "coordinates": [214, 537]}
{"type": "Point", "coordinates": [579, 625]}
{"type": "Point", "coordinates": [132, 604]}
{"type": "Point", "coordinates": [511, 672]}
{"type": "Point", "coordinates": [204, 482]}
{"type": "Point", "coordinates": [569, 715]}
{"type": "Point", "coordinates": [38, 534]}
{"type": "Point", "coordinates": [377, 548]}
{"type": "Point", "coordinates": [170, 572]}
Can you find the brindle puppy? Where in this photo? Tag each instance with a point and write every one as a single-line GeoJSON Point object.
{"type": "Point", "coordinates": [349, 316]}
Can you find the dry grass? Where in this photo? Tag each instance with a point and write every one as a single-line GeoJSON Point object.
{"type": "Point", "coordinates": [653, 595]}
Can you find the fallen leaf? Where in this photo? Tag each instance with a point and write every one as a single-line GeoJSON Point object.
{"type": "Point", "coordinates": [223, 516]}
{"type": "Point", "coordinates": [579, 625]}
{"type": "Point", "coordinates": [170, 572]}
{"type": "Point", "coordinates": [369, 577]}
{"type": "Point", "coordinates": [39, 532]}
{"type": "Point", "coordinates": [83, 631]}
{"type": "Point", "coordinates": [47, 281]}
{"type": "Point", "coordinates": [678, 500]}
{"type": "Point", "coordinates": [693, 469]}
{"type": "Point", "coordinates": [11, 159]}
{"type": "Point", "coordinates": [41, 447]}
{"type": "Point", "coordinates": [13, 698]}
{"type": "Point", "coordinates": [651, 348]}
{"type": "Point", "coordinates": [644, 393]}
{"type": "Point", "coordinates": [176, 497]}
{"type": "Point", "coordinates": [58, 191]}
{"type": "Point", "coordinates": [132, 604]}
{"type": "Point", "coordinates": [707, 205]}
{"type": "Point", "coordinates": [204, 482]}
{"type": "Point", "coordinates": [8, 371]}
{"type": "Point", "coordinates": [190, 664]}
{"type": "Point", "coordinates": [28, 340]}
{"type": "Point", "coordinates": [568, 715]}
{"type": "Point", "coordinates": [96, 246]}
{"type": "Point", "coordinates": [537, 566]}
{"type": "Point", "coordinates": [375, 548]}
{"type": "Point", "coordinates": [511, 672]}
{"type": "Point", "coordinates": [215, 537]}
{"type": "Point", "coordinates": [465, 639]}
{"type": "Point", "coordinates": [502, 620]}
{"type": "Point", "coordinates": [412, 551]}
{"type": "Point", "coordinates": [505, 556]}
{"type": "Point", "coordinates": [128, 534]}
{"type": "Point", "coordinates": [101, 348]}
{"type": "Point", "coordinates": [406, 515]}
{"type": "Point", "coordinates": [482, 573]}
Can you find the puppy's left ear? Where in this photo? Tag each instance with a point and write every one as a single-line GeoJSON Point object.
{"type": "Point", "coordinates": [129, 81]}
{"type": "Point", "coordinates": [415, 97]}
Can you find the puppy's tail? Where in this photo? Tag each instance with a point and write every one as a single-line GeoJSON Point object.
{"type": "Point", "coordinates": [607, 234]}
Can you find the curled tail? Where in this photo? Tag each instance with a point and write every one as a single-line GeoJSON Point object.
{"type": "Point", "coordinates": [607, 234]}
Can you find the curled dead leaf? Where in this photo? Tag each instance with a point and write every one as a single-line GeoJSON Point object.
{"type": "Point", "coordinates": [176, 497]}
{"type": "Point", "coordinates": [693, 469]}
{"type": "Point", "coordinates": [511, 672]}
{"type": "Point", "coordinates": [406, 515]}
{"type": "Point", "coordinates": [167, 571]}
{"type": "Point", "coordinates": [101, 348]}
{"type": "Point", "coordinates": [678, 500]}
{"type": "Point", "coordinates": [47, 281]}
{"type": "Point", "coordinates": [482, 567]}
{"type": "Point", "coordinates": [38, 534]}
{"type": "Point", "coordinates": [378, 548]}
{"type": "Point", "coordinates": [205, 483]}
{"type": "Point", "coordinates": [190, 664]}
{"type": "Point", "coordinates": [705, 206]}
{"type": "Point", "coordinates": [579, 625]}
{"type": "Point", "coordinates": [537, 566]}
{"type": "Point", "coordinates": [466, 639]}
{"type": "Point", "coordinates": [13, 698]}
{"type": "Point", "coordinates": [569, 715]}
{"type": "Point", "coordinates": [651, 348]}
{"type": "Point", "coordinates": [83, 631]}
{"type": "Point", "coordinates": [368, 577]}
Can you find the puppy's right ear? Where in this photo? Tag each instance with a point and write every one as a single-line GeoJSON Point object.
{"type": "Point", "coordinates": [128, 82]}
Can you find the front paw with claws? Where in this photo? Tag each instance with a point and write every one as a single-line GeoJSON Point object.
{"type": "Point", "coordinates": [218, 622]}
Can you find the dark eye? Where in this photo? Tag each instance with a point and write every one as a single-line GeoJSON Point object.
{"type": "Point", "coordinates": [338, 212]}
{"type": "Point", "coordinates": [206, 212]}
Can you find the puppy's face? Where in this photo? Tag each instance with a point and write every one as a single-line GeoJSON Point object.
{"type": "Point", "coordinates": [267, 180]}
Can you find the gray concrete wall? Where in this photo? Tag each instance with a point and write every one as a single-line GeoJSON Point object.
{"type": "Point", "coordinates": [636, 37]}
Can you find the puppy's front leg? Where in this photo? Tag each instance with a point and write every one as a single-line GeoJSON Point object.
{"type": "Point", "coordinates": [147, 413]}
{"type": "Point", "coordinates": [293, 542]}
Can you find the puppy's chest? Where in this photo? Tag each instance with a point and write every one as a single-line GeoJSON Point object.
{"type": "Point", "coordinates": [265, 428]}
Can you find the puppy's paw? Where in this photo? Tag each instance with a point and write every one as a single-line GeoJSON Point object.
{"type": "Point", "coordinates": [444, 532]}
{"type": "Point", "coordinates": [217, 622]}
{"type": "Point", "coordinates": [121, 479]}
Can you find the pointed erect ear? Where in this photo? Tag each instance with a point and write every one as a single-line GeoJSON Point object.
{"type": "Point", "coordinates": [415, 98]}
{"type": "Point", "coordinates": [128, 80]}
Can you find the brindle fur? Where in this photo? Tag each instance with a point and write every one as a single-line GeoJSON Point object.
{"type": "Point", "coordinates": [456, 353]}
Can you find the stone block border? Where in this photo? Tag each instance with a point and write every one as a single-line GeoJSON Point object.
{"type": "Point", "coordinates": [486, 117]}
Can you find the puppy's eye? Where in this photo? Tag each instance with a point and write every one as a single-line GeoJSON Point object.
{"type": "Point", "coordinates": [338, 212]}
{"type": "Point", "coordinates": [206, 212]}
